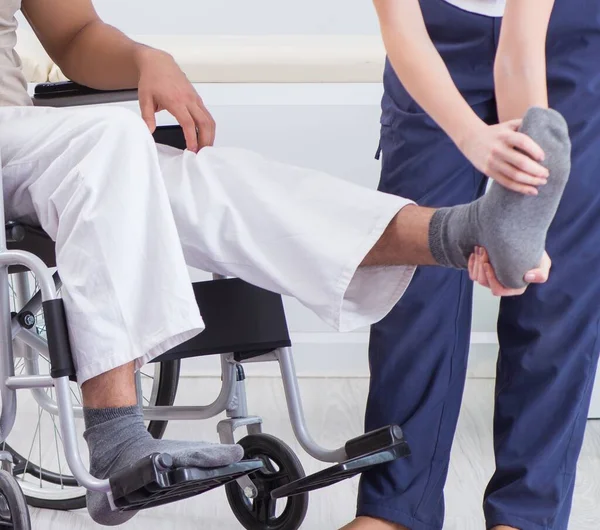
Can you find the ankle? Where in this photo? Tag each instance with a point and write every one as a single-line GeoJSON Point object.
{"type": "Point", "coordinates": [113, 389]}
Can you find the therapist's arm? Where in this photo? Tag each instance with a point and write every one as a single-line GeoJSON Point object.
{"type": "Point", "coordinates": [423, 72]}
{"type": "Point", "coordinates": [98, 55]}
{"type": "Point", "coordinates": [421, 69]}
{"type": "Point", "coordinates": [520, 66]}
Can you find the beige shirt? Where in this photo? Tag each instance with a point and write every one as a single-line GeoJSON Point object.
{"type": "Point", "coordinates": [13, 87]}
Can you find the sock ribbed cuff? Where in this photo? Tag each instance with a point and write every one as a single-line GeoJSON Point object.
{"type": "Point", "coordinates": [93, 417]}
{"type": "Point", "coordinates": [436, 238]}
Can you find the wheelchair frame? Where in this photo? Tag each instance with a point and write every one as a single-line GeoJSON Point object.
{"type": "Point", "coordinates": [357, 455]}
{"type": "Point", "coordinates": [231, 398]}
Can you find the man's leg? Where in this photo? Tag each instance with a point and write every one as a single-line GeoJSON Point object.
{"type": "Point", "coordinates": [115, 388]}
{"type": "Point", "coordinates": [549, 339]}
{"type": "Point", "coordinates": [345, 251]}
{"type": "Point", "coordinates": [90, 177]}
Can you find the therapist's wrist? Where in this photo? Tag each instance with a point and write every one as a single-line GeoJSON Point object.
{"type": "Point", "coordinates": [464, 130]}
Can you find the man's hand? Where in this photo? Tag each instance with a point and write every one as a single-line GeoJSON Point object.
{"type": "Point", "coordinates": [163, 86]}
{"type": "Point", "coordinates": [481, 271]}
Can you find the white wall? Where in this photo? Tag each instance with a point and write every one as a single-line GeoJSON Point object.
{"type": "Point", "coordinates": [240, 17]}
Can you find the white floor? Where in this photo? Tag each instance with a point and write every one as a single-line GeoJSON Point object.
{"type": "Point", "coordinates": [335, 410]}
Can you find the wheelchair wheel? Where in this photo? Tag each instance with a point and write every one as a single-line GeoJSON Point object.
{"type": "Point", "coordinates": [14, 514]}
{"type": "Point", "coordinates": [281, 465]}
{"type": "Point", "coordinates": [36, 445]}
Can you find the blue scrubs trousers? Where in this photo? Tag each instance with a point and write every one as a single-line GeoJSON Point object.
{"type": "Point", "coordinates": [548, 337]}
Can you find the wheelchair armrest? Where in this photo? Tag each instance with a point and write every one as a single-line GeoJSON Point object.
{"type": "Point", "coordinates": [70, 94]}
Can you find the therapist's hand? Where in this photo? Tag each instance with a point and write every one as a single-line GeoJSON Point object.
{"type": "Point", "coordinates": [481, 271]}
{"type": "Point", "coordinates": [509, 157]}
{"type": "Point", "coordinates": [163, 86]}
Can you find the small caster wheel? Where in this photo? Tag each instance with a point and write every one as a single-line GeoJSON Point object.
{"type": "Point", "coordinates": [14, 514]}
{"type": "Point", "coordinates": [281, 466]}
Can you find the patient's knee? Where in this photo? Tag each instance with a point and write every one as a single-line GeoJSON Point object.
{"type": "Point", "coordinates": [117, 125]}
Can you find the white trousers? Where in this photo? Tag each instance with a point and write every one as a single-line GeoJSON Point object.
{"type": "Point", "coordinates": [127, 216]}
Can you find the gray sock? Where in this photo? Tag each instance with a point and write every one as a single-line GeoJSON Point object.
{"type": "Point", "coordinates": [117, 438]}
{"type": "Point", "coordinates": [511, 226]}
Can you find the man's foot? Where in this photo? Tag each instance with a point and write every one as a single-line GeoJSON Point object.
{"type": "Point", "coordinates": [512, 227]}
{"type": "Point", "coordinates": [117, 437]}
{"type": "Point", "coordinates": [368, 523]}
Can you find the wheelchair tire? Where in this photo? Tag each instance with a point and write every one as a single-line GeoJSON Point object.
{"type": "Point", "coordinates": [164, 395]}
{"type": "Point", "coordinates": [280, 463]}
{"type": "Point", "coordinates": [14, 513]}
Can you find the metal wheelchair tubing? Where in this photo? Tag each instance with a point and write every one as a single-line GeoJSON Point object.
{"type": "Point", "coordinates": [69, 439]}
{"type": "Point", "coordinates": [203, 412]}
{"type": "Point", "coordinates": [294, 404]}
{"type": "Point", "coordinates": [37, 343]}
{"type": "Point", "coordinates": [37, 266]}
{"type": "Point", "coordinates": [33, 305]}
{"type": "Point", "coordinates": [63, 391]}
{"type": "Point", "coordinates": [225, 397]}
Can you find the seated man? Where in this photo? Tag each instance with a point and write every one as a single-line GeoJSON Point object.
{"type": "Point", "coordinates": [128, 217]}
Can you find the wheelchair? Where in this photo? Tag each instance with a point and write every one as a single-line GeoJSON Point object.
{"type": "Point", "coordinates": [267, 490]}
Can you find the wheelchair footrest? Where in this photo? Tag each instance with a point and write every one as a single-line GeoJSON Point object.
{"type": "Point", "coordinates": [370, 450]}
{"type": "Point", "coordinates": [154, 480]}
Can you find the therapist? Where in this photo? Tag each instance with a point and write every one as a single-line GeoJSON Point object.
{"type": "Point", "coordinates": [452, 73]}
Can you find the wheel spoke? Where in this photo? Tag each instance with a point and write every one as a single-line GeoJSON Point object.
{"type": "Point", "coordinates": [20, 365]}
{"type": "Point", "coordinates": [40, 454]}
{"type": "Point", "coordinates": [75, 396]}
{"type": "Point", "coordinates": [264, 509]}
{"type": "Point", "coordinates": [44, 357]}
{"type": "Point", "coordinates": [56, 437]}
{"type": "Point", "coordinates": [269, 468]}
{"type": "Point", "coordinates": [32, 442]}
{"type": "Point", "coordinates": [277, 480]}
{"type": "Point", "coordinates": [54, 421]}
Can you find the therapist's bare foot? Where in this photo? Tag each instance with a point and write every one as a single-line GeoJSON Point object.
{"type": "Point", "coordinates": [368, 523]}
{"type": "Point", "coordinates": [504, 528]}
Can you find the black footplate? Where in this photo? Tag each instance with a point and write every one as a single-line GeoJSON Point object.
{"type": "Point", "coordinates": [154, 481]}
{"type": "Point", "coordinates": [365, 452]}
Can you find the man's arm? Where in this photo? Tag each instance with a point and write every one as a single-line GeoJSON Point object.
{"type": "Point", "coordinates": [520, 66]}
{"type": "Point", "coordinates": [97, 55]}
{"type": "Point", "coordinates": [423, 72]}
{"type": "Point", "coordinates": [86, 49]}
